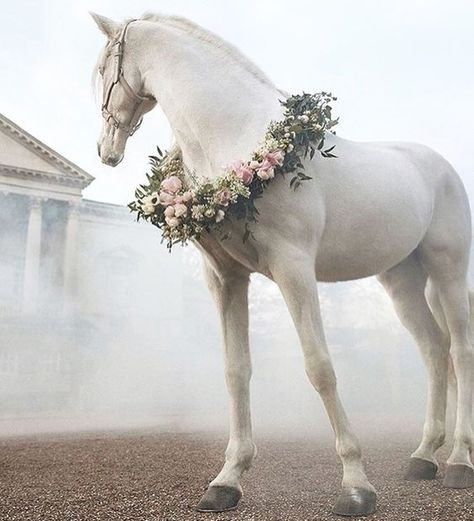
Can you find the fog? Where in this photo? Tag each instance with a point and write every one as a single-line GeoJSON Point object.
{"type": "Point", "coordinates": [138, 343]}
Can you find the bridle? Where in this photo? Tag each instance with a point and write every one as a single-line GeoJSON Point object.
{"type": "Point", "coordinates": [118, 78]}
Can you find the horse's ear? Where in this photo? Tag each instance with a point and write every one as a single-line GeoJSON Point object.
{"type": "Point", "coordinates": [110, 28]}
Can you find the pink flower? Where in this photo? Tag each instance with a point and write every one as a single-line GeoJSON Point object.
{"type": "Point", "coordinates": [275, 157]}
{"type": "Point", "coordinates": [169, 212]}
{"type": "Point", "coordinates": [180, 210]}
{"type": "Point", "coordinates": [178, 199]}
{"type": "Point", "coordinates": [188, 196]}
{"type": "Point", "coordinates": [171, 184]}
{"type": "Point", "coordinates": [223, 197]}
{"type": "Point", "coordinates": [266, 171]}
{"type": "Point", "coordinates": [172, 222]}
{"type": "Point", "coordinates": [243, 171]}
{"type": "Point", "coordinates": [166, 199]}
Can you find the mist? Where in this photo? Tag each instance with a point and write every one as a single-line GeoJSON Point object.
{"type": "Point", "coordinates": [137, 343]}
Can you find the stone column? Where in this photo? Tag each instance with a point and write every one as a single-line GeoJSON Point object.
{"type": "Point", "coordinates": [70, 256]}
{"type": "Point", "coordinates": [32, 257]}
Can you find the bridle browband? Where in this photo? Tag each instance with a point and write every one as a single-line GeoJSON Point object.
{"type": "Point", "coordinates": [136, 120]}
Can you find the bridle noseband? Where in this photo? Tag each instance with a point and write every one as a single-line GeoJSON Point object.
{"type": "Point", "coordinates": [139, 101]}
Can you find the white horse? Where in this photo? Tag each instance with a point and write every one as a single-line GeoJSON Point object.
{"type": "Point", "coordinates": [395, 210]}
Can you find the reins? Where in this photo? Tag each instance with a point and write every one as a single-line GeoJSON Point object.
{"type": "Point", "coordinates": [119, 78]}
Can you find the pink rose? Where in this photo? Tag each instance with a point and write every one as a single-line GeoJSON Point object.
{"type": "Point", "coordinates": [188, 196]}
{"type": "Point", "coordinates": [166, 199]}
{"type": "Point", "coordinates": [171, 184]}
{"type": "Point", "coordinates": [180, 210]}
{"type": "Point", "coordinates": [172, 222]}
{"type": "Point", "coordinates": [275, 157]}
{"type": "Point", "coordinates": [266, 173]}
{"type": "Point", "coordinates": [223, 197]}
{"type": "Point", "coordinates": [169, 212]}
{"type": "Point", "coordinates": [243, 172]}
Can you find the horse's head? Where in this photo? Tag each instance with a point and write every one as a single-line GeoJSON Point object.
{"type": "Point", "coordinates": [124, 101]}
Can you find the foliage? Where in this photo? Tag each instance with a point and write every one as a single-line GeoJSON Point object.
{"type": "Point", "coordinates": [183, 207]}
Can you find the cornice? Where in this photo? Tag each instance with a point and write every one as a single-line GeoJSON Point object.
{"type": "Point", "coordinates": [40, 175]}
{"type": "Point", "coordinates": [74, 174]}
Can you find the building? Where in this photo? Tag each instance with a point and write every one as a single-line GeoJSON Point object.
{"type": "Point", "coordinates": [79, 281]}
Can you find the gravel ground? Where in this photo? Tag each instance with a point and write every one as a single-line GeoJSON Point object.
{"type": "Point", "coordinates": [152, 476]}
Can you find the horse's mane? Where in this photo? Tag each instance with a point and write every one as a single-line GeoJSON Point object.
{"type": "Point", "coordinates": [209, 37]}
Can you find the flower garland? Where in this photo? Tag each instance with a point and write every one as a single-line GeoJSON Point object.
{"type": "Point", "coordinates": [183, 207]}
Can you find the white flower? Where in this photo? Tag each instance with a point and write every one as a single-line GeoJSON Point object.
{"type": "Point", "coordinates": [290, 147]}
{"type": "Point", "coordinates": [147, 205]}
{"type": "Point", "coordinates": [180, 210]}
{"type": "Point", "coordinates": [210, 212]}
{"type": "Point", "coordinates": [196, 212]}
{"type": "Point", "coordinates": [304, 118]}
{"type": "Point", "coordinates": [220, 216]}
{"type": "Point", "coordinates": [172, 222]}
{"type": "Point", "coordinates": [266, 174]}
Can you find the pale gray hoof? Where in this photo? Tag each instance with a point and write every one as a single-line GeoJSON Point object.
{"type": "Point", "coordinates": [419, 469]}
{"type": "Point", "coordinates": [355, 502]}
{"type": "Point", "coordinates": [459, 476]}
{"type": "Point", "coordinates": [219, 499]}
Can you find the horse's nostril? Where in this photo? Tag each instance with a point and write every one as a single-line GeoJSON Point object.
{"type": "Point", "coordinates": [98, 148]}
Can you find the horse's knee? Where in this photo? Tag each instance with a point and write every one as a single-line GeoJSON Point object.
{"type": "Point", "coordinates": [321, 373]}
{"type": "Point", "coordinates": [238, 377]}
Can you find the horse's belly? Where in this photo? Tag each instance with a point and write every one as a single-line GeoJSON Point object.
{"type": "Point", "coordinates": [371, 242]}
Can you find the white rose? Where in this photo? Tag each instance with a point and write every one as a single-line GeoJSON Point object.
{"type": "Point", "coordinates": [197, 212]}
{"type": "Point", "coordinates": [266, 174]}
{"type": "Point", "coordinates": [220, 216]}
{"type": "Point", "coordinates": [172, 222]}
{"type": "Point", "coordinates": [210, 212]}
{"type": "Point", "coordinates": [303, 119]}
{"type": "Point", "coordinates": [180, 210]}
{"type": "Point", "coordinates": [147, 205]}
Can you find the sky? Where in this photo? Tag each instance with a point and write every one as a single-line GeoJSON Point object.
{"type": "Point", "coordinates": [402, 71]}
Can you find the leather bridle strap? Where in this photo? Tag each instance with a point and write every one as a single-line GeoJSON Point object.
{"type": "Point", "coordinates": [118, 78]}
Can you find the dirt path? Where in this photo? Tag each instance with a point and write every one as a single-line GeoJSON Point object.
{"type": "Point", "coordinates": [147, 477]}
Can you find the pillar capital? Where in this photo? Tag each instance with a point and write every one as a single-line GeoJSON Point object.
{"type": "Point", "coordinates": [74, 208]}
{"type": "Point", "coordinates": [35, 202]}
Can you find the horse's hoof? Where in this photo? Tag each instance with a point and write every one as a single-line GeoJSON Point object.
{"type": "Point", "coordinates": [219, 498]}
{"type": "Point", "coordinates": [420, 469]}
{"type": "Point", "coordinates": [459, 476]}
{"type": "Point", "coordinates": [355, 501]}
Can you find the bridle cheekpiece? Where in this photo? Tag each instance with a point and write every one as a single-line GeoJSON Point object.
{"type": "Point", "coordinates": [119, 78]}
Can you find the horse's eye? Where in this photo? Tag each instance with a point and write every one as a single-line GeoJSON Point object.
{"type": "Point", "coordinates": [101, 71]}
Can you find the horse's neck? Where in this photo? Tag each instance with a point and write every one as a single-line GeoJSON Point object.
{"type": "Point", "coordinates": [219, 110]}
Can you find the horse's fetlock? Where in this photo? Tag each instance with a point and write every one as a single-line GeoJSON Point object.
{"type": "Point", "coordinates": [242, 453]}
{"type": "Point", "coordinates": [348, 449]}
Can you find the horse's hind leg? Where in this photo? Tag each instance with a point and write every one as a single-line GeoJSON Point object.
{"type": "Point", "coordinates": [444, 253]}
{"type": "Point", "coordinates": [405, 283]}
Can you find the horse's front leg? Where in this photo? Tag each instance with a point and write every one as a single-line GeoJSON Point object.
{"type": "Point", "coordinates": [294, 272]}
{"type": "Point", "coordinates": [230, 290]}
